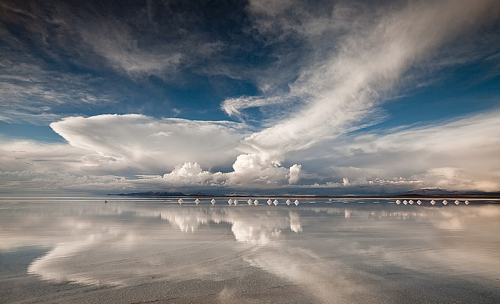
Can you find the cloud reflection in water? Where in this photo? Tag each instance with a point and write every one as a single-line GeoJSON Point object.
{"type": "Point", "coordinates": [328, 252]}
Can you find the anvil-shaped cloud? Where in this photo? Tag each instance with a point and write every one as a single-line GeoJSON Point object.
{"type": "Point", "coordinates": [153, 144]}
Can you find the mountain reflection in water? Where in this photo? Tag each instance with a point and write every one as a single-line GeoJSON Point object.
{"type": "Point", "coordinates": [320, 253]}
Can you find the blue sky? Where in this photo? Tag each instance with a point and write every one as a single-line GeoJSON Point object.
{"type": "Point", "coordinates": [325, 97]}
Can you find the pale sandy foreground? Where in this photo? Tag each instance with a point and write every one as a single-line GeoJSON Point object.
{"type": "Point", "coordinates": [153, 251]}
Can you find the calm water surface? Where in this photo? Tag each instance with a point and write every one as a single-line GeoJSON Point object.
{"type": "Point", "coordinates": [67, 250]}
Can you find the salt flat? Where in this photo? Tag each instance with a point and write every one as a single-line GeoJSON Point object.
{"type": "Point", "coordinates": [80, 250]}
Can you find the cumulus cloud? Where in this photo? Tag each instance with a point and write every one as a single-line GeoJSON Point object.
{"type": "Point", "coordinates": [255, 169]}
{"type": "Point", "coordinates": [294, 174]}
{"type": "Point", "coordinates": [330, 71]}
{"type": "Point", "coordinates": [249, 171]}
{"type": "Point", "coordinates": [253, 166]}
{"type": "Point", "coordinates": [113, 149]}
{"type": "Point", "coordinates": [189, 174]}
{"type": "Point", "coordinates": [126, 146]}
{"type": "Point", "coordinates": [341, 85]}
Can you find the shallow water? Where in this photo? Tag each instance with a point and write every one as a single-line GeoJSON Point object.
{"type": "Point", "coordinates": [81, 250]}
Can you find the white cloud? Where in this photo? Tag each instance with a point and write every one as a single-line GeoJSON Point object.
{"type": "Point", "coordinates": [339, 90]}
{"type": "Point", "coordinates": [107, 151]}
{"type": "Point", "coordinates": [294, 174]}
{"type": "Point", "coordinates": [130, 49]}
{"type": "Point", "coordinates": [458, 155]}
{"type": "Point", "coordinates": [116, 44]}
{"type": "Point", "coordinates": [34, 166]}
{"type": "Point", "coordinates": [112, 149]}
{"type": "Point", "coordinates": [153, 145]}
{"type": "Point", "coordinates": [346, 80]}
{"type": "Point", "coordinates": [107, 148]}
{"type": "Point", "coordinates": [356, 55]}
{"type": "Point", "coordinates": [35, 156]}
{"type": "Point", "coordinates": [233, 106]}
{"type": "Point", "coordinates": [189, 174]}
{"type": "Point", "coordinates": [66, 58]}
{"type": "Point", "coordinates": [30, 93]}
{"type": "Point", "coordinates": [254, 169]}
{"type": "Point", "coordinates": [249, 171]}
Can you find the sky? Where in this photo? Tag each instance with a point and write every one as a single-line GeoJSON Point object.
{"type": "Point", "coordinates": [249, 97]}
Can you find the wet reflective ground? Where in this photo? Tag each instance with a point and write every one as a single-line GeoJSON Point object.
{"type": "Point", "coordinates": [70, 250]}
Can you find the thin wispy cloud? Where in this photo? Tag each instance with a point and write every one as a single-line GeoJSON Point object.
{"type": "Point", "coordinates": [32, 94]}
{"type": "Point", "coordinates": [342, 89]}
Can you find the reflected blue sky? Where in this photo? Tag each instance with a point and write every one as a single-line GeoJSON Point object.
{"type": "Point", "coordinates": [324, 252]}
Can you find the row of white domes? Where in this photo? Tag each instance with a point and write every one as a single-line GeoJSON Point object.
{"type": "Point", "coordinates": [250, 202]}
{"type": "Point", "coordinates": [296, 202]}
{"type": "Point", "coordinates": [433, 202]}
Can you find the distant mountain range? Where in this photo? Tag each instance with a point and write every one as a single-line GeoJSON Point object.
{"type": "Point", "coordinates": [443, 192]}
{"type": "Point", "coordinates": [431, 191]}
{"type": "Point", "coordinates": [151, 194]}
{"type": "Point", "coordinates": [425, 192]}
